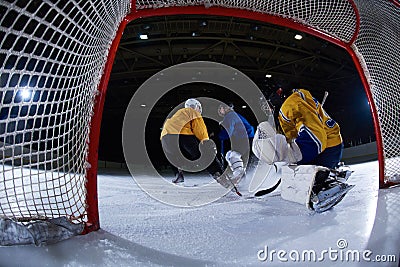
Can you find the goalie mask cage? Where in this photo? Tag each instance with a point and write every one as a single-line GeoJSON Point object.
{"type": "Point", "coordinates": [56, 57]}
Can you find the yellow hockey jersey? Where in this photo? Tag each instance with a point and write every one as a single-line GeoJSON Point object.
{"type": "Point", "coordinates": [186, 121]}
{"type": "Point", "coordinates": [301, 110]}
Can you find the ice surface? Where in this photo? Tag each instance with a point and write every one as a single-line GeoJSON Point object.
{"type": "Point", "coordinates": [137, 230]}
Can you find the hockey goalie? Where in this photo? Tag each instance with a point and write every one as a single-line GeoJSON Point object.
{"type": "Point", "coordinates": [309, 141]}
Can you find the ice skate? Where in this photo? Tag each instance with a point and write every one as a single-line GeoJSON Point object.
{"type": "Point", "coordinates": [328, 191]}
{"type": "Point", "coordinates": [179, 178]}
{"type": "Point", "coordinates": [342, 173]}
{"type": "Point", "coordinates": [330, 196]}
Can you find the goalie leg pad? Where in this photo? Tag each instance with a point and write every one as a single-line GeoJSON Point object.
{"type": "Point", "coordinates": [272, 149]}
{"type": "Point", "coordinates": [263, 142]}
{"type": "Point", "coordinates": [297, 183]}
{"type": "Point", "coordinates": [313, 186]}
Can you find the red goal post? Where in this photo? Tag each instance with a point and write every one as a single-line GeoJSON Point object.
{"type": "Point", "coordinates": [57, 57]}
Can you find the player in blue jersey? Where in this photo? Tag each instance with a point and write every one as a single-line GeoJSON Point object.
{"type": "Point", "coordinates": [240, 133]}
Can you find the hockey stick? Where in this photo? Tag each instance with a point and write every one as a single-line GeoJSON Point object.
{"type": "Point", "coordinates": [324, 99]}
{"type": "Point", "coordinates": [268, 190]}
{"type": "Point", "coordinates": [234, 187]}
{"type": "Point", "coordinates": [222, 152]}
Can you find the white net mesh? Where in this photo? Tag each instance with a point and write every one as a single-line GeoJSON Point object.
{"type": "Point", "coordinates": [378, 44]}
{"type": "Point", "coordinates": [336, 17]}
{"type": "Point", "coordinates": [52, 55]}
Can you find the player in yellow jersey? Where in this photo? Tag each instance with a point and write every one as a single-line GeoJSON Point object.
{"type": "Point", "coordinates": [307, 136]}
{"type": "Point", "coordinates": [181, 136]}
{"type": "Point", "coordinates": [304, 121]}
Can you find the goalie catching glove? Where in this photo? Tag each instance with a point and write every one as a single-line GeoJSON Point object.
{"type": "Point", "coordinates": [271, 147]}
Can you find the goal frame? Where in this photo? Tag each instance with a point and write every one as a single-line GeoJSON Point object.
{"type": "Point", "coordinates": [217, 11]}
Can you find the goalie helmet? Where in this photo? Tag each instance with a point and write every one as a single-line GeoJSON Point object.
{"type": "Point", "coordinates": [194, 104]}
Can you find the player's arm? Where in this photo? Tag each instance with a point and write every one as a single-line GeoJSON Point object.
{"type": "Point", "coordinates": [199, 128]}
{"type": "Point", "coordinates": [288, 117]}
{"type": "Point", "coordinates": [228, 124]}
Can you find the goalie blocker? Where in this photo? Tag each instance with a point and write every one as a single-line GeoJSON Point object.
{"type": "Point", "coordinates": [316, 187]}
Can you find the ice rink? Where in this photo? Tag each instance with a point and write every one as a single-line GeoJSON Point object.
{"type": "Point", "coordinates": [137, 230]}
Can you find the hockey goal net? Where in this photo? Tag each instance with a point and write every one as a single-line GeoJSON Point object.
{"type": "Point", "coordinates": [56, 57]}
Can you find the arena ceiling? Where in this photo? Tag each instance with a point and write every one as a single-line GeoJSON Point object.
{"type": "Point", "coordinates": [257, 49]}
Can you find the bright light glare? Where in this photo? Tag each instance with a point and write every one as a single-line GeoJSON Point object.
{"type": "Point", "coordinates": [143, 37]}
{"type": "Point", "coordinates": [298, 37]}
{"type": "Point", "coordinates": [268, 75]}
{"type": "Point", "coordinates": [26, 94]}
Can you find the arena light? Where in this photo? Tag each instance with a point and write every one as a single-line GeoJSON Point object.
{"type": "Point", "coordinates": [298, 37]}
{"type": "Point", "coordinates": [26, 94]}
{"type": "Point", "coordinates": [203, 23]}
{"type": "Point", "coordinates": [146, 27]}
{"type": "Point", "coordinates": [143, 36]}
{"type": "Point", "coordinates": [268, 76]}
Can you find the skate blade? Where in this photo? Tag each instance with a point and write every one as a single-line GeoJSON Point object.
{"type": "Point", "coordinates": [332, 201]}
